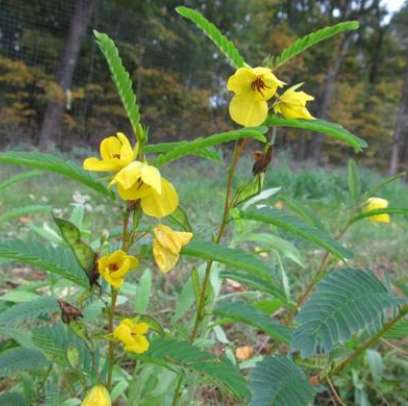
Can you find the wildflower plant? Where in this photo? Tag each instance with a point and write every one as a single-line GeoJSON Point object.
{"type": "Point", "coordinates": [100, 350]}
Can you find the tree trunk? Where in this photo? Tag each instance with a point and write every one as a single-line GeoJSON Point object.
{"type": "Point", "coordinates": [51, 124]}
{"type": "Point", "coordinates": [327, 94]}
{"type": "Point", "coordinates": [397, 137]}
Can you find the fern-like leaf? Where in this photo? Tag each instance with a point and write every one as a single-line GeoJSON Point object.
{"type": "Point", "coordinates": [20, 360]}
{"type": "Point", "coordinates": [28, 311]}
{"type": "Point", "coordinates": [235, 258]}
{"type": "Point", "coordinates": [242, 312]}
{"type": "Point", "coordinates": [18, 178]}
{"type": "Point", "coordinates": [215, 139]}
{"type": "Point", "coordinates": [12, 399]}
{"type": "Point", "coordinates": [312, 39]}
{"type": "Point", "coordinates": [51, 163]}
{"type": "Point", "coordinates": [25, 211]}
{"type": "Point", "coordinates": [122, 81]}
{"type": "Point", "coordinates": [54, 260]}
{"type": "Point", "coordinates": [296, 226]}
{"type": "Point", "coordinates": [278, 381]}
{"type": "Point", "coordinates": [218, 370]}
{"type": "Point", "coordinates": [212, 32]}
{"type": "Point", "coordinates": [345, 302]}
{"type": "Point", "coordinates": [334, 130]}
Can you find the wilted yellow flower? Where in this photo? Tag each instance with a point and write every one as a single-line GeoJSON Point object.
{"type": "Point", "coordinates": [375, 203]}
{"type": "Point", "coordinates": [167, 245]}
{"type": "Point", "coordinates": [158, 197]}
{"type": "Point", "coordinates": [252, 88]}
{"type": "Point", "coordinates": [292, 104]}
{"type": "Point", "coordinates": [116, 153]}
{"type": "Point", "coordinates": [97, 396]}
{"type": "Point", "coordinates": [115, 266]}
{"type": "Point", "coordinates": [132, 335]}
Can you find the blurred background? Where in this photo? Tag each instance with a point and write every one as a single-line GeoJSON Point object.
{"type": "Point", "coordinates": [55, 89]}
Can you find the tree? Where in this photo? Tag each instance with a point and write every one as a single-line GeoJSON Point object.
{"type": "Point", "coordinates": [51, 124]}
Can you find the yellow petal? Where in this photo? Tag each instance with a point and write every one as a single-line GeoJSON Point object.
{"type": "Point", "coordinates": [123, 333]}
{"type": "Point", "coordinates": [95, 164]}
{"type": "Point", "coordinates": [295, 111]}
{"type": "Point", "coordinates": [109, 147]}
{"type": "Point", "coordinates": [140, 345]}
{"type": "Point", "coordinates": [151, 176]}
{"type": "Point", "coordinates": [97, 396]}
{"type": "Point", "coordinates": [128, 176]}
{"type": "Point", "coordinates": [241, 80]}
{"type": "Point", "coordinates": [376, 203]}
{"type": "Point", "coordinates": [170, 239]}
{"type": "Point", "coordinates": [159, 206]}
{"type": "Point", "coordinates": [126, 152]}
{"type": "Point", "coordinates": [247, 111]}
{"type": "Point", "coordinates": [165, 259]}
{"type": "Point", "coordinates": [140, 328]}
{"type": "Point", "coordinates": [134, 193]}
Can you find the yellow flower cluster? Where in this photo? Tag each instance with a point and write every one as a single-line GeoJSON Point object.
{"type": "Point", "coordinates": [132, 336]}
{"type": "Point", "coordinates": [253, 87]}
{"type": "Point", "coordinates": [114, 267]}
{"type": "Point", "coordinates": [136, 180]}
{"type": "Point", "coordinates": [376, 203]}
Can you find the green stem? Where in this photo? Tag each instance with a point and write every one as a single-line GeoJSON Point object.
{"type": "Point", "coordinates": [201, 305]}
{"type": "Point", "coordinates": [114, 297]}
{"type": "Point", "coordinates": [370, 342]}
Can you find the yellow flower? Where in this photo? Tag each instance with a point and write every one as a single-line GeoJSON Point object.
{"type": "Point", "coordinates": [115, 266]}
{"type": "Point", "coordinates": [292, 104]}
{"type": "Point", "coordinates": [116, 153]}
{"type": "Point", "coordinates": [375, 203]}
{"type": "Point", "coordinates": [167, 245]}
{"type": "Point", "coordinates": [97, 396]}
{"type": "Point", "coordinates": [158, 197]}
{"type": "Point", "coordinates": [132, 335]}
{"type": "Point", "coordinates": [252, 88]}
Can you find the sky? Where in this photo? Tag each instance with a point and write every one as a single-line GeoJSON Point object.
{"type": "Point", "coordinates": [393, 5]}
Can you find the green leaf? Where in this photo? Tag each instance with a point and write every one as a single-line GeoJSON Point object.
{"type": "Point", "coordinates": [248, 190]}
{"type": "Point", "coordinates": [21, 359]}
{"type": "Point", "coordinates": [218, 370]}
{"type": "Point", "coordinates": [208, 153]}
{"type": "Point", "coordinates": [53, 260]}
{"type": "Point", "coordinates": [242, 312]}
{"type": "Point", "coordinates": [200, 143]}
{"type": "Point", "coordinates": [51, 163]}
{"type": "Point", "coordinates": [143, 291]}
{"type": "Point", "coordinates": [122, 81]}
{"type": "Point", "coordinates": [55, 341]}
{"type": "Point", "coordinates": [354, 182]}
{"type": "Point", "coordinates": [299, 208]}
{"type": "Point", "coordinates": [278, 381]}
{"type": "Point", "coordinates": [234, 257]}
{"type": "Point", "coordinates": [179, 218]}
{"type": "Point", "coordinates": [18, 178]}
{"type": "Point", "coordinates": [399, 330]}
{"type": "Point", "coordinates": [277, 244]}
{"type": "Point", "coordinates": [388, 210]}
{"type": "Point", "coordinates": [296, 226]}
{"type": "Point", "coordinates": [24, 211]}
{"type": "Point", "coordinates": [212, 32]}
{"type": "Point", "coordinates": [22, 313]}
{"type": "Point", "coordinates": [254, 282]}
{"type": "Point", "coordinates": [312, 39]}
{"type": "Point", "coordinates": [342, 304]}
{"type": "Point", "coordinates": [82, 251]}
{"type": "Point", "coordinates": [381, 185]}
{"type": "Point", "coordinates": [195, 280]}
{"type": "Point", "coordinates": [12, 399]}
{"type": "Point", "coordinates": [334, 130]}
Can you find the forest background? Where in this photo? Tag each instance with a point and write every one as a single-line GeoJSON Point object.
{"type": "Point", "coordinates": [55, 90]}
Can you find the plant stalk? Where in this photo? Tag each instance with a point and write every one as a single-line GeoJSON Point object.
{"type": "Point", "coordinates": [201, 305]}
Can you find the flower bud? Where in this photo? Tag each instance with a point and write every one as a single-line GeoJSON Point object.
{"type": "Point", "coordinates": [97, 396]}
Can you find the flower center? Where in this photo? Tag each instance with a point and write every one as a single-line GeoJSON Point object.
{"type": "Point", "coordinates": [117, 156]}
{"type": "Point", "coordinates": [258, 85]}
{"type": "Point", "coordinates": [113, 267]}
